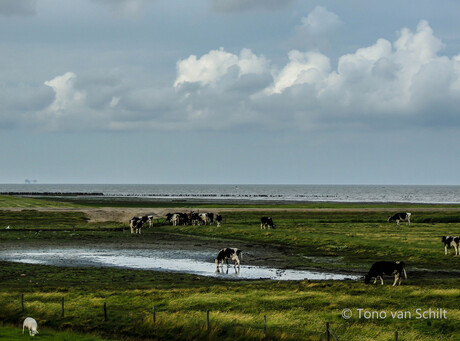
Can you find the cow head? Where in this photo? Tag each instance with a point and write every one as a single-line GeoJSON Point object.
{"type": "Point", "coordinates": [367, 279]}
{"type": "Point", "coordinates": [444, 239]}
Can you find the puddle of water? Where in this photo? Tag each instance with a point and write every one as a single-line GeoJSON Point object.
{"type": "Point", "coordinates": [191, 262]}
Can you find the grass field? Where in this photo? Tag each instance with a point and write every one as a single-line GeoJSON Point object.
{"type": "Point", "coordinates": [295, 310]}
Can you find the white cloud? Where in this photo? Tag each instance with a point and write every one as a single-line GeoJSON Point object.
{"type": "Point", "coordinates": [408, 79]}
{"type": "Point", "coordinates": [212, 66]}
{"type": "Point", "coordinates": [67, 97]}
{"type": "Point", "coordinates": [303, 68]}
{"type": "Point", "coordinates": [114, 102]}
{"type": "Point", "coordinates": [320, 21]}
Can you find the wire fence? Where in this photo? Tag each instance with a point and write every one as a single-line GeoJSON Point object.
{"type": "Point", "coordinates": [210, 321]}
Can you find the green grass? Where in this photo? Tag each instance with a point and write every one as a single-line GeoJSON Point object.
{"type": "Point", "coordinates": [337, 239]}
{"type": "Point", "coordinates": [15, 334]}
{"type": "Point", "coordinates": [354, 239]}
{"type": "Point", "coordinates": [294, 310]}
{"type": "Point", "coordinates": [9, 201]}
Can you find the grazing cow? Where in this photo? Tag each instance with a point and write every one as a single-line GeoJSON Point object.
{"type": "Point", "coordinates": [218, 219]}
{"type": "Point", "coordinates": [147, 219]}
{"type": "Point", "coordinates": [31, 325]}
{"type": "Point", "coordinates": [403, 216]}
{"type": "Point", "coordinates": [169, 217]}
{"type": "Point", "coordinates": [266, 222]}
{"type": "Point", "coordinates": [229, 253]}
{"type": "Point", "coordinates": [195, 218]}
{"type": "Point", "coordinates": [378, 269]}
{"type": "Point", "coordinates": [451, 242]}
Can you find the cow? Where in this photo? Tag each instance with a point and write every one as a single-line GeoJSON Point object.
{"type": "Point", "coordinates": [228, 253]}
{"type": "Point", "coordinates": [207, 218]}
{"type": "Point", "coordinates": [195, 218]}
{"type": "Point", "coordinates": [451, 242]}
{"type": "Point", "coordinates": [175, 219]}
{"type": "Point", "coordinates": [378, 269]}
{"type": "Point", "coordinates": [218, 219]}
{"type": "Point", "coordinates": [147, 219]}
{"type": "Point", "coordinates": [403, 216]}
{"type": "Point", "coordinates": [136, 225]}
{"type": "Point", "coordinates": [266, 222]}
{"type": "Point", "coordinates": [31, 325]}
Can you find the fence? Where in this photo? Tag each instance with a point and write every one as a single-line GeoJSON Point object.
{"type": "Point", "coordinates": [328, 334]}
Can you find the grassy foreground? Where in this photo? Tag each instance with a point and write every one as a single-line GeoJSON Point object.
{"type": "Point", "coordinates": [295, 310]}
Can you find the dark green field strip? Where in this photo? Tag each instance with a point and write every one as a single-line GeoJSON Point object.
{"type": "Point", "coordinates": [295, 310]}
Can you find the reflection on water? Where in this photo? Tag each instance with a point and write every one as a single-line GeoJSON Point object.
{"type": "Point", "coordinates": [191, 262]}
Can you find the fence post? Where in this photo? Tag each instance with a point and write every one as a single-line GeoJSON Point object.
{"type": "Point", "coordinates": [22, 302]}
{"type": "Point", "coordinates": [62, 315]}
{"type": "Point", "coordinates": [328, 335]}
{"type": "Point", "coordinates": [396, 335]}
{"type": "Point", "coordinates": [105, 311]}
{"type": "Point", "coordinates": [265, 326]}
{"type": "Point", "coordinates": [154, 317]}
{"type": "Point", "coordinates": [207, 320]}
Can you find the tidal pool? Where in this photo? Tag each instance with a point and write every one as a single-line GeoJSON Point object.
{"type": "Point", "coordinates": [183, 261]}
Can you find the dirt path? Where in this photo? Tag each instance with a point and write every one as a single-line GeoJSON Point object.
{"type": "Point", "coordinates": [121, 214]}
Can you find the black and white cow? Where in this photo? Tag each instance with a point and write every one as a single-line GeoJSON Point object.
{"type": "Point", "coordinates": [228, 253]}
{"type": "Point", "coordinates": [378, 269]}
{"type": "Point", "coordinates": [403, 216]}
{"type": "Point", "coordinates": [451, 242]}
{"type": "Point", "coordinates": [136, 225]}
{"type": "Point", "coordinates": [218, 219]}
{"type": "Point", "coordinates": [196, 218]}
{"type": "Point", "coordinates": [266, 222]}
{"type": "Point", "coordinates": [207, 218]}
{"type": "Point", "coordinates": [147, 219]}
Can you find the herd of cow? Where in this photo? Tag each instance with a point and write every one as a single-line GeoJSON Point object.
{"type": "Point", "coordinates": [377, 270]}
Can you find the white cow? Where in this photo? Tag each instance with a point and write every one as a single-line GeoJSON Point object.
{"type": "Point", "coordinates": [31, 325]}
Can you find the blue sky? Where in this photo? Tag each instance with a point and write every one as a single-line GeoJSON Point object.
{"type": "Point", "coordinates": [234, 91]}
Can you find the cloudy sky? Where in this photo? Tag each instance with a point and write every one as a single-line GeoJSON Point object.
{"type": "Point", "coordinates": [230, 91]}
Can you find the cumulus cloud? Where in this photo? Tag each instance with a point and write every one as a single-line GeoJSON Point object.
{"type": "Point", "coordinates": [17, 7]}
{"type": "Point", "coordinates": [407, 79]}
{"type": "Point", "coordinates": [212, 66]}
{"type": "Point", "coordinates": [383, 84]}
{"type": "Point", "coordinates": [242, 5]}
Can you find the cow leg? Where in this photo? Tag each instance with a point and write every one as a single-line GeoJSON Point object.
{"type": "Point", "coordinates": [375, 279]}
{"type": "Point", "coordinates": [456, 250]}
{"type": "Point", "coordinates": [397, 221]}
{"type": "Point", "coordinates": [397, 279]}
{"type": "Point", "coordinates": [445, 250]}
{"type": "Point", "coordinates": [381, 279]}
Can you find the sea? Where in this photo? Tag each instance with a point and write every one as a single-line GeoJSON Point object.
{"type": "Point", "coordinates": [430, 194]}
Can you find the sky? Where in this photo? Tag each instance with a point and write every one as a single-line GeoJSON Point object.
{"type": "Point", "coordinates": [230, 91]}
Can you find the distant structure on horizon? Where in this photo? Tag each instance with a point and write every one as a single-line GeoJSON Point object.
{"type": "Point", "coordinates": [27, 181]}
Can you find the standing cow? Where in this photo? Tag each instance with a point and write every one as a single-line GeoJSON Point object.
{"type": "Point", "coordinates": [451, 242]}
{"type": "Point", "coordinates": [228, 253]}
{"type": "Point", "coordinates": [403, 216]}
{"type": "Point", "coordinates": [266, 222]}
{"type": "Point", "coordinates": [136, 225]}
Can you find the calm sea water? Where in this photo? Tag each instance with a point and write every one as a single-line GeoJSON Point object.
{"type": "Point", "coordinates": [320, 193]}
